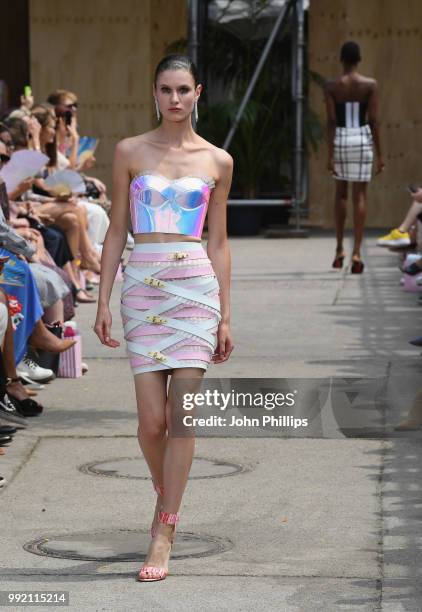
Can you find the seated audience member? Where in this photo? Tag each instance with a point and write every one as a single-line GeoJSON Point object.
{"type": "Point", "coordinates": [49, 270]}
{"type": "Point", "coordinates": [400, 235]}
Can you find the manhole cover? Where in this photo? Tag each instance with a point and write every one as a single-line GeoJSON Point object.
{"type": "Point", "coordinates": [136, 467]}
{"type": "Point", "coordinates": [123, 545]}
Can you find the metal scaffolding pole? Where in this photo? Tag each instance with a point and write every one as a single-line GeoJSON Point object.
{"type": "Point", "coordinates": [280, 20]}
{"type": "Point", "coordinates": [193, 43]}
{"type": "Point", "coordinates": [299, 98]}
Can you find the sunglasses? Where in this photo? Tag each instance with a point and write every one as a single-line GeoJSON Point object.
{"type": "Point", "coordinates": [4, 158]}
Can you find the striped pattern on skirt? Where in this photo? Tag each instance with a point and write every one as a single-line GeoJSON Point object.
{"type": "Point", "coordinates": [353, 153]}
{"type": "Point", "coordinates": [170, 307]}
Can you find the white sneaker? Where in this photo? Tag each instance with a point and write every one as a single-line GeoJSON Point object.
{"type": "Point", "coordinates": [32, 370]}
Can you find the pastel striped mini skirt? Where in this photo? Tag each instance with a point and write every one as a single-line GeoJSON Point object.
{"type": "Point", "coordinates": [170, 307]}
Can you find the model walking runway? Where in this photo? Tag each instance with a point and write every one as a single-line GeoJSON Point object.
{"type": "Point", "coordinates": [175, 303]}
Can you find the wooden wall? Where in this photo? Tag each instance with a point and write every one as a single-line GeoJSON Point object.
{"type": "Point", "coordinates": [105, 51]}
{"type": "Point", "coordinates": [390, 35]}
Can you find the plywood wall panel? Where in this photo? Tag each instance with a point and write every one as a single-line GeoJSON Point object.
{"type": "Point", "coordinates": [105, 51]}
{"type": "Point", "coordinates": [164, 16]}
{"type": "Point", "coordinates": [390, 36]}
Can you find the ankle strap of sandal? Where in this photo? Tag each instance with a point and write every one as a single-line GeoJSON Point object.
{"type": "Point", "coordinates": [158, 489]}
{"type": "Point", "coordinates": [168, 518]}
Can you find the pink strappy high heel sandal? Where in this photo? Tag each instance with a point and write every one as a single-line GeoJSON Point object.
{"type": "Point", "coordinates": [159, 489]}
{"type": "Point", "coordinates": [151, 573]}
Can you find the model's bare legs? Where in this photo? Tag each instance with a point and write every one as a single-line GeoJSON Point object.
{"type": "Point", "coordinates": [151, 398]}
{"type": "Point", "coordinates": [340, 214]}
{"type": "Point", "coordinates": [179, 449]}
{"type": "Point", "coordinates": [359, 216]}
{"type": "Point", "coordinates": [177, 461]}
{"type": "Point", "coordinates": [410, 219]}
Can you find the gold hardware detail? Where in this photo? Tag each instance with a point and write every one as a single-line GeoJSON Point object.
{"type": "Point", "coordinates": [178, 255]}
{"type": "Point", "coordinates": [153, 282]}
{"type": "Point", "coordinates": [156, 319]}
{"type": "Point", "coordinates": [157, 355]}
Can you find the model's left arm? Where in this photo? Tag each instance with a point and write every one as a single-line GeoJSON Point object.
{"type": "Point", "coordinates": [373, 121]}
{"type": "Point", "coordinates": [218, 251]}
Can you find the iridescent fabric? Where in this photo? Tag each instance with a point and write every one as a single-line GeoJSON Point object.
{"type": "Point", "coordinates": [171, 206]}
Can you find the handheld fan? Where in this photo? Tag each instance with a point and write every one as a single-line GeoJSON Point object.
{"type": "Point", "coordinates": [23, 165]}
{"type": "Point", "coordinates": [66, 182]}
{"type": "Point", "coordinates": [87, 146]}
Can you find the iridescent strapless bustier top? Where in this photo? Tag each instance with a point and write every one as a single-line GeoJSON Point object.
{"type": "Point", "coordinates": [171, 206]}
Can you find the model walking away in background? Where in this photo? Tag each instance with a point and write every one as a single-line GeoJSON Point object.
{"type": "Point", "coordinates": [175, 296]}
{"type": "Point", "coordinates": [352, 125]}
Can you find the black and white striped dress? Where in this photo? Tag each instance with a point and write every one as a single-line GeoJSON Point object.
{"type": "Point", "coordinates": [353, 143]}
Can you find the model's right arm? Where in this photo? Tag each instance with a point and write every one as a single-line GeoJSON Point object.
{"type": "Point", "coordinates": [114, 242]}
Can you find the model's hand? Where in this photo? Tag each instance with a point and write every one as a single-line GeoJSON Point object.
{"type": "Point", "coordinates": [102, 327]}
{"type": "Point", "coordinates": [380, 165]}
{"type": "Point", "coordinates": [224, 345]}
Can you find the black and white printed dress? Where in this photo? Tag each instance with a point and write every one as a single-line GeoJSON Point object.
{"type": "Point", "coordinates": [353, 143]}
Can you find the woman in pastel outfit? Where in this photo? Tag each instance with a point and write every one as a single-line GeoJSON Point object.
{"type": "Point", "coordinates": [352, 121]}
{"type": "Point", "coordinates": [175, 295]}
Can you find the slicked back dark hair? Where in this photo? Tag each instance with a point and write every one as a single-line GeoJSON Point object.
{"type": "Point", "coordinates": [176, 61]}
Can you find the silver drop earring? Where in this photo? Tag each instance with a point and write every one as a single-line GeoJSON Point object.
{"type": "Point", "coordinates": [195, 106]}
{"type": "Point", "coordinates": [157, 109]}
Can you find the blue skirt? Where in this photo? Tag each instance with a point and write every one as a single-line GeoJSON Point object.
{"type": "Point", "coordinates": [24, 300]}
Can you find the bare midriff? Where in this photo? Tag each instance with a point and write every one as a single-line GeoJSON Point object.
{"type": "Point", "coordinates": [162, 237]}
